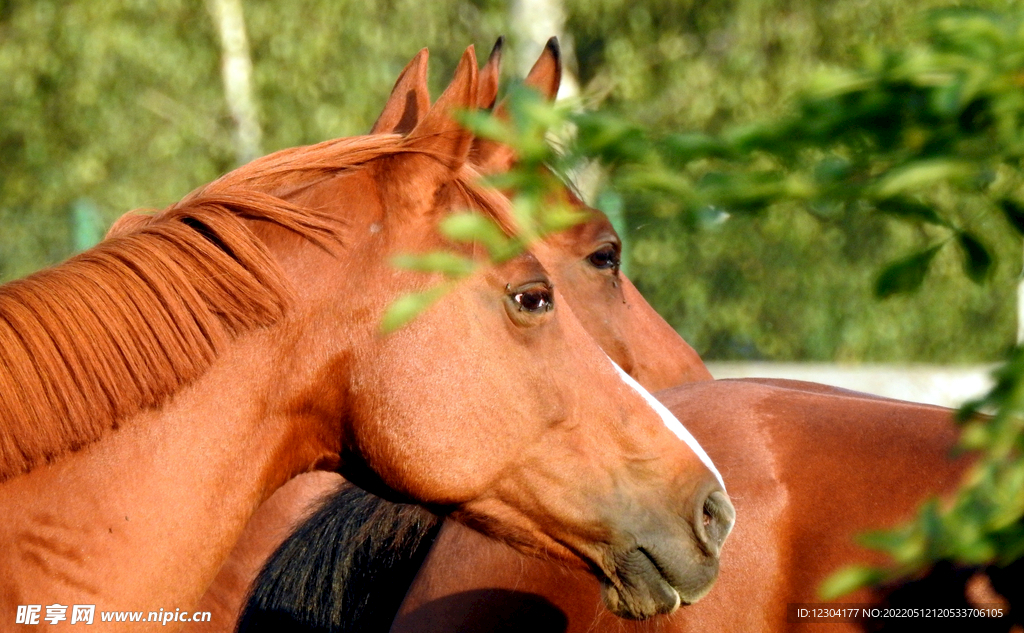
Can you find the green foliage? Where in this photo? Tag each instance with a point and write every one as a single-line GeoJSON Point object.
{"type": "Point", "coordinates": [779, 284]}
{"type": "Point", "coordinates": [406, 308]}
{"type": "Point", "coordinates": [850, 579]}
{"type": "Point", "coordinates": [906, 274]}
{"type": "Point", "coordinates": [931, 136]}
{"type": "Point", "coordinates": [473, 227]}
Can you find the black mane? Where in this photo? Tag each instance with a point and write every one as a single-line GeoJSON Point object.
{"type": "Point", "coordinates": [346, 568]}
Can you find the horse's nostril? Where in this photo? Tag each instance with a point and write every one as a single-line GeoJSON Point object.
{"type": "Point", "coordinates": [717, 519]}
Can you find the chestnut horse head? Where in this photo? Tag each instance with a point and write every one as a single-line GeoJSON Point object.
{"type": "Point", "coordinates": [494, 404]}
{"type": "Point", "coordinates": [584, 260]}
{"type": "Point", "coordinates": [427, 392]}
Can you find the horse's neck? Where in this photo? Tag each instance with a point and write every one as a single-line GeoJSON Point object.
{"type": "Point", "coordinates": [143, 518]}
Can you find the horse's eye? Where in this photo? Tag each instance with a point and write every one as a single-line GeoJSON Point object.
{"type": "Point", "coordinates": [534, 300]}
{"type": "Point", "coordinates": [605, 258]}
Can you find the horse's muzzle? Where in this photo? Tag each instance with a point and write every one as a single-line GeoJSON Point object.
{"type": "Point", "coordinates": [659, 573]}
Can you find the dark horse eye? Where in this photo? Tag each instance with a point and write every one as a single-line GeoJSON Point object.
{"type": "Point", "coordinates": [534, 300]}
{"type": "Point", "coordinates": [605, 258]}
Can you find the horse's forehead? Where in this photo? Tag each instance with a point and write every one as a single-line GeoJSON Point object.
{"type": "Point", "coordinates": [578, 240]}
{"type": "Point", "coordinates": [524, 267]}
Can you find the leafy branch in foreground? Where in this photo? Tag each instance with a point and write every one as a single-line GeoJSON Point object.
{"type": "Point", "coordinates": [918, 134]}
{"type": "Point", "coordinates": [913, 134]}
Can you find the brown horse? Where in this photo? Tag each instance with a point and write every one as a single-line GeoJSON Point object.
{"type": "Point", "coordinates": [159, 387]}
{"type": "Point", "coordinates": [809, 467]}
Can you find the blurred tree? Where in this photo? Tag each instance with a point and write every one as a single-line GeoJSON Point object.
{"type": "Point", "coordinates": [236, 69]}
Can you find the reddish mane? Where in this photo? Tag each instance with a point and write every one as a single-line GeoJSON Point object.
{"type": "Point", "coordinates": [126, 324]}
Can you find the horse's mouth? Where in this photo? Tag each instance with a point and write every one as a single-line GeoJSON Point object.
{"type": "Point", "coordinates": [642, 586]}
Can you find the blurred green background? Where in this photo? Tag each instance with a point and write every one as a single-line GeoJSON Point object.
{"type": "Point", "coordinates": [115, 105]}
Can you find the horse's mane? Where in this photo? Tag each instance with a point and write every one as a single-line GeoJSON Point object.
{"type": "Point", "coordinates": [121, 327]}
{"type": "Point", "coordinates": [284, 171]}
{"type": "Point", "coordinates": [347, 568]}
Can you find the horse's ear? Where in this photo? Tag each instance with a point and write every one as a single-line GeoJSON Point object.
{"type": "Point", "coordinates": [439, 134]}
{"type": "Point", "coordinates": [546, 75]}
{"type": "Point", "coordinates": [490, 74]}
{"type": "Point", "coordinates": [409, 100]}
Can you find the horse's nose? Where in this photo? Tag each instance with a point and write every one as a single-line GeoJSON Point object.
{"type": "Point", "coordinates": [714, 520]}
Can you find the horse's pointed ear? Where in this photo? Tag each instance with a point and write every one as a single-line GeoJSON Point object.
{"type": "Point", "coordinates": [546, 74]}
{"type": "Point", "coordinates": [409, 100]}
{"type": "Point", "coordinates": [487, 88]}
{"type": "Point", "coordinates": [439, 134]}
{"type": "Point", "coordinates": [491, 157]}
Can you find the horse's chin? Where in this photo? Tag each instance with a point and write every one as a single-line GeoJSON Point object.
{"type": "Point", "coordinates": [640, 589]}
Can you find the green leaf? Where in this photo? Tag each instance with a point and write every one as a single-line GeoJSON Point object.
{"type": "Point", "coordinates": [920, 174]}
{"type": "Point", "coordinates": [885, 540]}
{"type": "Point", "coordinates": [1014, 213]}
{"type": "Point", "coordinates": [977, 258]}
{"type": "Point", "coordinates": [447, 263]}
{"type": "Point", "coordinates": [977, 552]}
{"type": "Point", "coordinates": [484, 124]}
{"type": "Point", "coordinates": [561, 217]}
{"type": "Point", "coordinates": [406, 308]}
{"type": "Point", "coordinates": [912, 210]}
{"type": "Point", "coordinates": [849, 579]}
{"type": "Point", "coordinates": [1011, 544]}
{"type": "Point", "coordinates": [905, 275]}
{"type": "Point", "coordinates": [473, 227]}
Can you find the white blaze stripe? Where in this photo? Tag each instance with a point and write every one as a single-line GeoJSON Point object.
{"type": "Point", "coordinates": [671, 422]}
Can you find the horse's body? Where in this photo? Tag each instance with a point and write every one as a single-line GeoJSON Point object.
{"type": "Point", "coordinates": [231, 343]}
{"type": "Point", "coordinates": [808, 467]}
